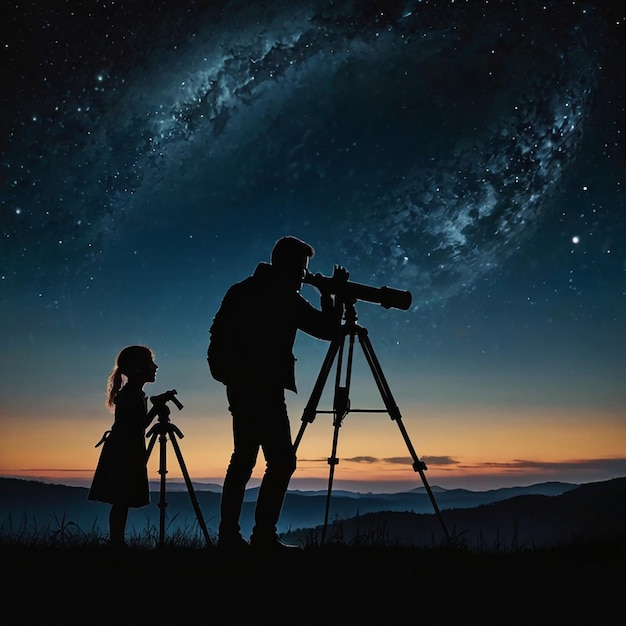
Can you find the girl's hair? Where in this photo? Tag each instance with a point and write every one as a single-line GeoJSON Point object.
{"type": "Point", "coordinates": [127, 360]}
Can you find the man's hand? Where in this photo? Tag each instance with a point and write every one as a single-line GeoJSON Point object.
{"type": "Point", "coordinates": [340, 274]}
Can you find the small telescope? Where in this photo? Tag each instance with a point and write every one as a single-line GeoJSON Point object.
{"type": "Point", "coordinates": [348, 291]}
{"type": "Point", "coordinates": [168, 396]}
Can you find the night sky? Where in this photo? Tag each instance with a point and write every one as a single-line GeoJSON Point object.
{"type": "Point", "coordinates": [472, 153]}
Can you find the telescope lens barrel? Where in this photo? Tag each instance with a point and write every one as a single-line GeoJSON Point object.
{"type": "Point", "coordinates": [387, 297]}
{"type": "Point", "coordinates": [395, 298]}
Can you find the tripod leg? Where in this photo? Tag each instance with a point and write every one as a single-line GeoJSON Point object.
{"type": "Point", "coordinates": [190, 489]}
{"type": "Point", "coordinates": [341, 407]}
{"type": "Point", "coordinates": [310, 410]}
{"type": "Point", "coordinates": [394, 413]}
{"type": "Point", "coordinates": [153, 438]}
{"type": "Point", "coordinates": [162, 496]}
{"type": "Point", "coordinates": [332, 461]}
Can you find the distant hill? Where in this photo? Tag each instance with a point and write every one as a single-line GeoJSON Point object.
{"type": "Point", "coordinates": [542, 512]}
{"type": "Point", "coordinates": [308, 508]}
{"type": "Point", "coordinates": [583, 513]}
{"type": "Point", "coordinates": [545, 513]}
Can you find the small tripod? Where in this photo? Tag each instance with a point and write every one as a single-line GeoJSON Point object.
{"type": "Point", "coordinates": [341, 402]}
{"type": "Point", "coordinates": [162, 429]}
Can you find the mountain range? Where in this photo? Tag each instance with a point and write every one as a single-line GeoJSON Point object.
{"type": "Point", "coordinates": [542, 514]}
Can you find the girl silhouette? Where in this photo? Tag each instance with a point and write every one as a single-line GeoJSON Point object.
{"type": "Point", "coordinates": [121, 476]}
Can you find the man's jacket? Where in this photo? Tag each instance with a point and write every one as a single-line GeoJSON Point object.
{"type": "Point", "coordinates": [254, 331]}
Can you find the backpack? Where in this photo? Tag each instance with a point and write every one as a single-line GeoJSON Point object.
{"type": "Point", "coordinates": [217, 358]}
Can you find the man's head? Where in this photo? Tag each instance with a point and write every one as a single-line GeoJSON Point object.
{"type": "Point", "coordinates": [290, 256]}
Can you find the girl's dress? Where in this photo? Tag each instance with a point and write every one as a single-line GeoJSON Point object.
{"type": "Point", "coordinates": [121, 476]}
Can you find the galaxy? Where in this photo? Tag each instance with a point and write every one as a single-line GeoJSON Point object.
{"type": "Point", "coordinates": [471, 153]}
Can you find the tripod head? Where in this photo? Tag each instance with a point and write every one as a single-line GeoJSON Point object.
{"type": "Point", "coordinates": [159, 403]}
{"type": "Point", "coordinates": [165, 431]}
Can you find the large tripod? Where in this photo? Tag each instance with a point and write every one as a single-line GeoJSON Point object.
{"type": "Point", "coordinates": [341, 402]}
{"type": "Point", "coordinates": [164, 429]}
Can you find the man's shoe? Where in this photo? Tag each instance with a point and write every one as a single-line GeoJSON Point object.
{"type": "Point", "coordinates": [272, 545]}
{"type": "Point", "coordinates": [234, 543]}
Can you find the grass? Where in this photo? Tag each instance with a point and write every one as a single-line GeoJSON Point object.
{"type": "Point", "coordinates": [65, 575]}
{"type": "Point", "coordinates": [64, 533]}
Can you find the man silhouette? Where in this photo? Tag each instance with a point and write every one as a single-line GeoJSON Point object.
{"type": "Point", "coordinates": [251, 352]}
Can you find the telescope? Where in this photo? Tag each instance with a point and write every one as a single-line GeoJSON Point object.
{"type": "Point", "coordinates": [169, 396]}
{"type": "Point", "coordinates": [347, 291]}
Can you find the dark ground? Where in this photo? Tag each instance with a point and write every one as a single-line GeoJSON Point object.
{"type": "Point", "coordinates": [580, 584]}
